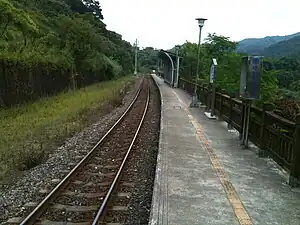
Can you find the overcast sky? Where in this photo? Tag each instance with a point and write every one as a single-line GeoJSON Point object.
{"type": "Point", "coordinates": [165, 23]}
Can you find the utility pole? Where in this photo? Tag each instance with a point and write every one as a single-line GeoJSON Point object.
{"type": "Point", "coordinates": [194, 103]}
{"type": "Point", "coordinates": [136, 53]}
{"type": "Point", "coordinates": [177, 66]}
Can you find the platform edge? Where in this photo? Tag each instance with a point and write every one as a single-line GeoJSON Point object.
{"type": "Point", "coordinates": [157, 204]}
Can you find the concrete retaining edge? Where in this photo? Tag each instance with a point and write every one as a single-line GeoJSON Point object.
{"type": "Point", "coordinates": [158, 202]}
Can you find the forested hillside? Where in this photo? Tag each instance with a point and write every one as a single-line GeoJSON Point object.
{"type": "Point", "coordinates": [289, 48]}
{"type": "Point", "coordinates": [47, 46]}
{"type": "Point", "coordinates": [259, 46]}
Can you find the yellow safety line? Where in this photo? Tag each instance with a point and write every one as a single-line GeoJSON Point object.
{"type": "Point", "coordinates": [237, 205]}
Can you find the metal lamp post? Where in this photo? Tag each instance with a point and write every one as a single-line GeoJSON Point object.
{"type": "Point", "coordinates": [177, 47]}
{"type": "Point", "coordinates": [195, 97]}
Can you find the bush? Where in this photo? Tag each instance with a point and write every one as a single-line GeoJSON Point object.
{"type": "Point", "coordinates": [30, 132]}
{"type": "Point", "coordinates": [46, 48]}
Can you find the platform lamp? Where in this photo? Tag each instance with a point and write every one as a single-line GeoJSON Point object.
{"type": "Point", "coordinates": [177, 48]}
{"type": "Point", "coordinates": [194, 103]}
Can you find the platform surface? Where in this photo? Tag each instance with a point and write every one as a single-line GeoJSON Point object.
{"type": "Point", "coordinates": [203, 176]}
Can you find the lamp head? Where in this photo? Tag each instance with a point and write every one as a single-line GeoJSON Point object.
{"type": "Point", "coordinates": [201, 21]}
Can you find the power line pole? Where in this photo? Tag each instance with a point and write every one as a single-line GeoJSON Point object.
{"type": "Point", "coordinates": [136, 53]}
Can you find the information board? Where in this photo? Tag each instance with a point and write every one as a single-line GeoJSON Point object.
{"type": "Point", "coordinates": [254, 77]}
{"type": "Point", "coordinates": [212, 74]}
{"type": "Point", "coordinates": [250, 77]}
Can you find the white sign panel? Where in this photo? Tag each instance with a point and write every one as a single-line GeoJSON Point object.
{"type": "Point", "coordinates": [212, 74]}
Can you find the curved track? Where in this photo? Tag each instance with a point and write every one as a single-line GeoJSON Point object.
{"type": "Point", "coordinates": [82, 197]}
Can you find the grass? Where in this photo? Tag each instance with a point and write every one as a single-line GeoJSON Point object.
{"type": "Point", "coordinates": [28, 133]}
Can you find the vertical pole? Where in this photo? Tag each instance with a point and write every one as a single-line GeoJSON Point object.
{"type": "Point", "coordinates": [213, 99]}
{"type": "Point", "coordinates": [177, 69]}
{"type": "Point", "coordinates": [208, 98]}
{"type": "Point", "coordinates": [201, 93]}
{"type": "Point", "coordinates": [198, 61]}
{"type": "Point", "coordinates": [247, 123]}
{"type": "Point", "coordinates": [262, 146]}
{"type": "Point", "coordinates": [135, 61]}
{"type": "Point", "coordinates": [221, 102]}
{"type": "Point", "coordinates": [230, 124]}
{"type": "Point", "coordinates": [294, 179]}
{"type": "Point", "coordinates": [244, 116]}
{"type": "Point", "coordinates": [195, 96]}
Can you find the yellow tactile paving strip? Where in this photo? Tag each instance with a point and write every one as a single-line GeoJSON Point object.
{"type": "Point", "coordinates": [237, 205]}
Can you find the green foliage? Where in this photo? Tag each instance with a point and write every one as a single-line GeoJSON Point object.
{"type": "Point", "coordinates": [147, 59]}
{"type": "Point", "coordinates": [19, 19]}
{"type": "Point", "coordinates": [228, 72]}
{"type": "Point", "coordinates": [31, 131]}
{"type": "Point", "coordinates": [269, 85]}
{"type": "Point", "coordinates": [59, 35]}
{"type": "Point", "coordinates": [287, 48]}
{"type": "Point", "coordinates": [189, 52]}
{"type": "Point", "coordinates": [219, 46]}
{"type": "Point", "coordinates": [229, 65]}
{"type": "Point", "coordinates": [94, 6]}
{"type": "Point", "coordinates": [280, 77]}
{"type": "Point", "coordinates": [288, 75]}
{"type": "Point", "coordinates": [296, 86]}
{"type": "Point", "coordinates": [263, 46]}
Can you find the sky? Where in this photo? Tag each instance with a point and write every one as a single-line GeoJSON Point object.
{"type": "Point", "coordinates": [163, 24]}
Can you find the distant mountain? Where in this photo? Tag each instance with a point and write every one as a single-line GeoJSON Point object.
{"type": "Point", "coordinates": [288, 48]}
{"type": "Point", "coordinates": [254, 46]}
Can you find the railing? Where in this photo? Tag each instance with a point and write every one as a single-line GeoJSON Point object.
{"type": "Point", "coordinates": [275, 136]}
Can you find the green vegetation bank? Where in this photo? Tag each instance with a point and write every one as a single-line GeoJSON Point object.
{"type": "Point", "coordinates": [53, 54]}
{"type": "Point", "coordinates": [47, 46]}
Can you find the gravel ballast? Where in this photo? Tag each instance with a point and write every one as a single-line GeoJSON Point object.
{"type": "Point", "coordinates": [26, 187]}
{"type": "Point", "coordinates": [93, 173]}
{"type": "Point", "coordinates": [143, 160]}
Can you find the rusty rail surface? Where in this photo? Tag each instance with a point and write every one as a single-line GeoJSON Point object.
{"type": "Point", "coordinates": [40, 209]}
{"type": "Point", "coordinates": [103, 208]}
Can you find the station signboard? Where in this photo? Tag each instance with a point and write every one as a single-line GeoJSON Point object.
{"type": "Point", "coordinates": [250, 79]}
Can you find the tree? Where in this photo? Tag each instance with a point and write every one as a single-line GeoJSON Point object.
{"type": "Point", "coordinates": [218, 46]}
{"type": "Point", "coordinates": [229, 65]}
{"type": "Point", "coordinates": [147, 59]}
{"type": "Point", "coordinates": [46, 39]}
{"type": "Point", "coordinates": [189, 52]}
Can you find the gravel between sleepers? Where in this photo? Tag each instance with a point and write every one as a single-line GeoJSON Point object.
{"type": "Point", "coordinates": [23, 189]}
{"type": "Point", "coordinates": [142, 166]}
{"type": "Point", "coordinates": [117, 142]}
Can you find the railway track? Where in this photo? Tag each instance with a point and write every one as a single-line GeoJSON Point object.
{"type": "Point", "coordinates": [94, 191]}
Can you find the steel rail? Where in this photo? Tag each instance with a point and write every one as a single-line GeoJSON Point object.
{"type": "Point", "coordinates": [103, 208]}
{"type": "Point", "coordinates": [42, 206]}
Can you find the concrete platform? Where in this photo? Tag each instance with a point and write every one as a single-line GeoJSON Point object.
{"type": "Point", "coordinates": [203, 176]}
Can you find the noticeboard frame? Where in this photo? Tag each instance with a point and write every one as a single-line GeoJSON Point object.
{"type": "Point", "coordinates": [250, 78]}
